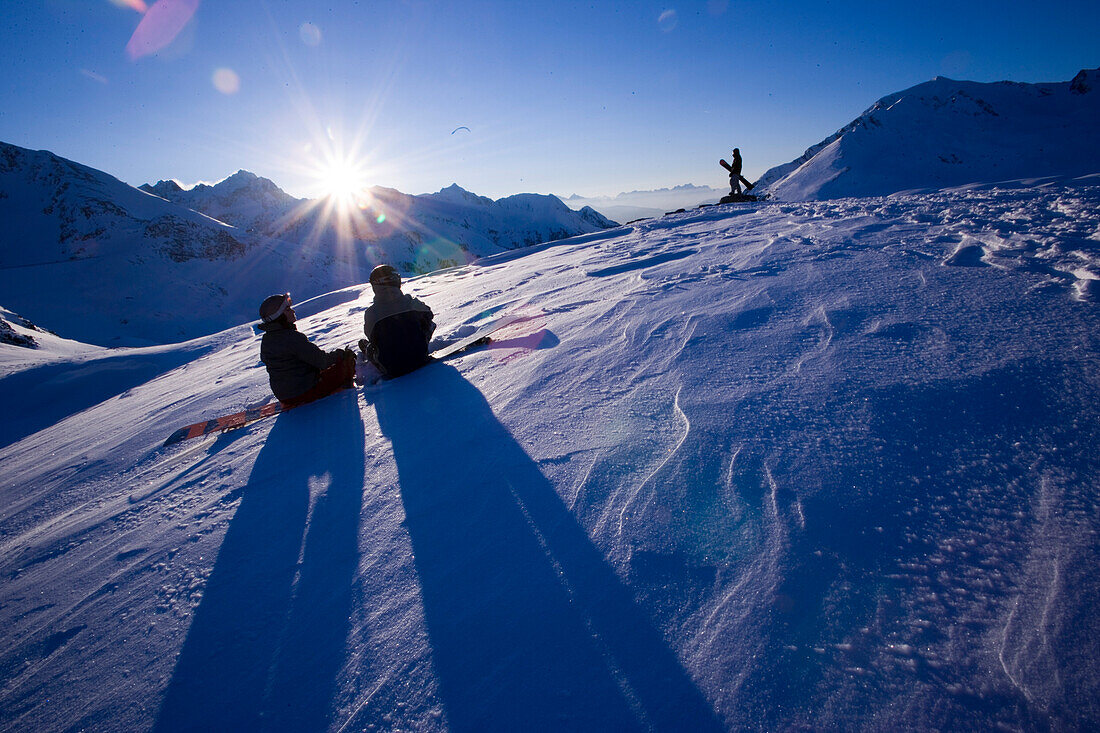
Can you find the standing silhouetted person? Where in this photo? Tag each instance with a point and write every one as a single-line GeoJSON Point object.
{"type": "Point", "coordinates": [736, 179]}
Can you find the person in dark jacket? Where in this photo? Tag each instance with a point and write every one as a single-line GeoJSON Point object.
{"type": "Point", "coordinates": [298, 370]}
{"type": "Point", "coordinates": [736, 179]}
{"type": "Point", "coordinates": [398, 326]}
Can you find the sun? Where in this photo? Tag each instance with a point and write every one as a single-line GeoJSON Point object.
{"type": "Point", "coordinates": [341, 179]}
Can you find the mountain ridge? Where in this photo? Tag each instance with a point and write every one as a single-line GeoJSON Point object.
{"type": "Point", "coordinates": [197, 260]}
{"type": "Point", "coordinates": [943, 133]}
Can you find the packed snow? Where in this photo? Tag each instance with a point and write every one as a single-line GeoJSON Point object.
{"type": "Point", "coordinates": [824, 465]}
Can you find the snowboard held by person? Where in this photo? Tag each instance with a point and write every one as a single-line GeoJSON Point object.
{"type": "Point", "coordinates": [298, 370]}
{"type": "Point", "coordinates": [736, 179]}
{"type": "Point", "coordinates": [397, 325]}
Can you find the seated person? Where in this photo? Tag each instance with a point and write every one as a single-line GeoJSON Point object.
{"type": "Point", "coordinates": [299, 371]}
{"type": "Point", "coordinates": [398, 326]}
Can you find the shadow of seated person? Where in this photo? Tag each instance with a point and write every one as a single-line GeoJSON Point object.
{"type": "Point", "coordinates": [269, 637]}
{"type": "Point", "coordinates": [529, 626]}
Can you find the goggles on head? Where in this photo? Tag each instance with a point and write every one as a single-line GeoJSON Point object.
{"type": "Point", "coordinates": [268, 318]}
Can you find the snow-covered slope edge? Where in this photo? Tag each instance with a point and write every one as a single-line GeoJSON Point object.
{"type": "Point", "coordinates": [821, 465]}
{"type": "Point", "coordinates": [34, 344]}
{"type": "Point", "coordinates": [946, 133]}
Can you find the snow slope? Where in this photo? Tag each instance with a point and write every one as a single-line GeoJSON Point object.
{"type": "Point", "coordinates": [87, 256]}
{"type": "Point", "coordinates": [827, 465]}
{"type": "Point", "coordinates": [951, 133]}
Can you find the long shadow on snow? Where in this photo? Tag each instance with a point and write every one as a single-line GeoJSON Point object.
{"type": "Point", "coordinates": [529, 627]}
{"type": "Point", "coordinates": [263, 651]}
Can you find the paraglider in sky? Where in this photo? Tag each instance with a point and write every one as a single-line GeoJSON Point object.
{"type": "Point", "coordinates": [463, 127]}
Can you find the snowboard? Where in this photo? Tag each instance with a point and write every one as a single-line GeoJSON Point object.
{"type": "Point", "coordinates": [736, 197]}
{"type": "Point", "coordinates": [226, 422]}
{"type": "Point", "coordinates": [252, 414]}
{"type": "Point", "coordinates": [477, 338]}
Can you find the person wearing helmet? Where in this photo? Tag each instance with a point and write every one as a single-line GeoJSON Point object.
{"type": "Point", "coordinates": [298, 370]}
{"type": "Point", "coordinates": [398, 326]}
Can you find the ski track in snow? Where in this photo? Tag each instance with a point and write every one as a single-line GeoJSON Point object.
{"type": "Point", "coordinates": [841, 455]}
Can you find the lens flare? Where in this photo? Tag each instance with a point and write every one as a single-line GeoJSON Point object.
{"type": "Point", "coordinates": [527, 335]}
{"type": "Point", "coordinates": [160, 26]}
{"type": "Point", "coordinates": [138, 5]}
{"type": "Point", "coordinates": [439, 253]}
{"type": "Point", "coordinates": [227, 81]}
{"type": "Point", "coordinates": [310, 34]}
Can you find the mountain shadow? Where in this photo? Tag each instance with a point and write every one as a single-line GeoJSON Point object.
{"type": "Point", "coordinates": [269, 637]}
{"type": "Point", "coordinates": [59, 391]}
{"type": "Point", "coordinates": [529, 627]}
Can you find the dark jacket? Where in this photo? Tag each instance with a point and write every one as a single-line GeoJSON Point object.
{"type": "Point", "coordinates": [293, 363]}
{"type": "Point", "coordinates": [398, 329]}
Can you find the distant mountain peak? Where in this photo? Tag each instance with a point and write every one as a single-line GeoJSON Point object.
{"type": "Point", "coordinates": [944, 133]}
{"type": "Point", "coordinates": [596, 218]}
{"type": "Point", "coordinates": [1085, 80]}
{"type": "Point", "coordinates": [243, 179]}
{"type": "Point", "coordinates": [457, 194]}
{"type": "Point", "coordinates": [164, 189]}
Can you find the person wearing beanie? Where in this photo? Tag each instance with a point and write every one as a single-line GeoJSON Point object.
{"type": "Point", "coordinates": [397, 325]}
{"type": "Point", "coordinates": [298, 370]}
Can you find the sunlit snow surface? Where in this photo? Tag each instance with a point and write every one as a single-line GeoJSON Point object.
{"type": "Point", "coordinates": [828, 465]}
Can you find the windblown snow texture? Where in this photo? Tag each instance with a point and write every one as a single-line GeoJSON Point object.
{"type": "Point", "coordinates": [824, 465]}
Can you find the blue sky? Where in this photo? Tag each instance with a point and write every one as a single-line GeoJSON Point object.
{"type": "Point", "coordinates": [558, 97]}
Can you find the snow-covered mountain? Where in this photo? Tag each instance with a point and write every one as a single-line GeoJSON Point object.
{"type": "Point", "coordinates": [794, 466]}
{"type": "Point", "coordinates": [84, 254]}
{"type": "Point", "coordinates": [418, 233]}
{"type": "Point", "coordinates": [87, 256]}
{"type": "Point", "coordinates": [950, 133]}
{"type": "Point", "coordinates": [243, 200]}
{"type": "Point", "coordinates": [632, 205]}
